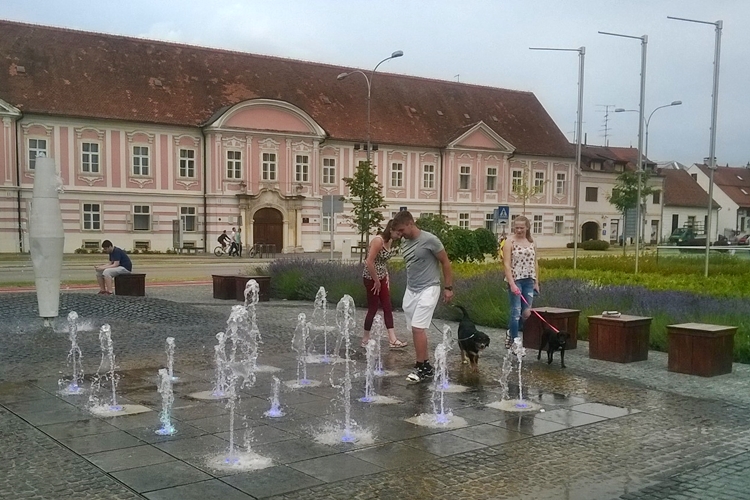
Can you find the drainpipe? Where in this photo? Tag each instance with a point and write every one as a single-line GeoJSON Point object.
{"type": "Point", "coordinates": [205, 187]}
{"type": "Point", "coordinates": [18, 192]}
{"type": "Point", "coordinates": [440, 193]}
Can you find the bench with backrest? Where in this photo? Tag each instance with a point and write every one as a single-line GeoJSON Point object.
{"type": "Point", "coordinates": [133, 284]}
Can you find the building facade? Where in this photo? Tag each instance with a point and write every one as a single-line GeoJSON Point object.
{"type": "Point", "coordinates": [731, 191]}
{"type": "Point", "coordinates": [162, 146]}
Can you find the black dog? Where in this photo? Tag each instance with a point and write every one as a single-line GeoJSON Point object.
{"type": "Point", "coordinates": [470, 340]}
{"type": "Point", "coordinates": [554, 341]}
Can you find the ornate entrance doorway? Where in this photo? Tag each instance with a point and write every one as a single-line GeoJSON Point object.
{"type": "Point", "coordinates": [590, 231]}
{"type": "Point", "coordinates": [268, 228]}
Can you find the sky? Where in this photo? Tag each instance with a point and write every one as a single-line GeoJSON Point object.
{"type": "Point", "coordinates": [486, 42]}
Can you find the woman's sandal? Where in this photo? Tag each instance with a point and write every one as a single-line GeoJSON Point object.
{"type": "Point", "coordinates": [398, 344]}
{"type": "Point", "coordinates": [364, 342]}
{"type": "Point", "coordinates": [508, 340]}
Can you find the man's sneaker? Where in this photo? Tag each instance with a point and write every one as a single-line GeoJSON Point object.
{"type": "Point", "coordinates": [422, 372]}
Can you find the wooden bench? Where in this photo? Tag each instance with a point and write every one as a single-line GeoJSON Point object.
{"type": "Point", "coordinates": [701, 349]}
{"type": "Point", "coordinates": [130, 284]}
{"type": "Point", "coordinates": [622, 339]}
{"type": "Point", "coordinates": [232, 287]}
{"type": "Point", "coordinates": [562, 319]}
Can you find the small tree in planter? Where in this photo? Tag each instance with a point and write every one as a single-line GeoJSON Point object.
{"type": "Point", "coordinates": [625, 197]}
{"type": "Point", "coordinates": [366, 194]}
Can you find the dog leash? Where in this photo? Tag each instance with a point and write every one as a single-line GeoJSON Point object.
{"type": "Point", "coordinates": [539, 315]}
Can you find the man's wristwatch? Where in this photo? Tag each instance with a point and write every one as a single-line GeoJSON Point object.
{"type": "Point", "coordinates": [449, 288]}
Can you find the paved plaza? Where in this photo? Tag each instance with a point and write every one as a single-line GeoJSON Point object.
{"type": "Point", "coordinates": [607, 430]}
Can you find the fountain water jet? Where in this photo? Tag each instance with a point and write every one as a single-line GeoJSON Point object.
{"type": "Point", "coordinates": [318, 325]}
{"type": "Point", "coordinates": [167, 400]}
{"type": "Point", "coordinates": [299, 346]}
{"type": "Point", "coordinates": [275, 411]}
{"type": "Point", "coordinates": [254, 338]}
{"type": "Point", "coordinates": [170, 359]}
{"type": "Point", "coordinates": [515, 405]}
{"type": "Point", "coordinates": [74, 359]}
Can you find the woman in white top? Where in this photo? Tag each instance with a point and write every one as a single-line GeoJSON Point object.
{"type": "Point", "coordinates": [522, 275]}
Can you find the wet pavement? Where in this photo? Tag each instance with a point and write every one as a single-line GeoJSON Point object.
{"type": "Point", "coordinates": [607, 431]}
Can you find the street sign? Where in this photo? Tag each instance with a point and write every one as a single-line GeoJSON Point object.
{"type": "Point", "coordinates": [502, 214]}
{"type": "Point", "coordinates": [332, 204]}
{"type": "Point", "coordinates": [402, 209]}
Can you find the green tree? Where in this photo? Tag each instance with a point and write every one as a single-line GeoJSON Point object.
{"type": "Point", "coordinates": [525, 189]}
{"type": "Point", "coordinates": [435, 224]}
{"type": "Point", "coordinates": [486, 241]}
{"type": "Point", "coordinates": [624, 195]}
{"type": "Point", "coordinates": [366, 194]}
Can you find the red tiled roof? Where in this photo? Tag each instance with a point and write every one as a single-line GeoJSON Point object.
{"type": "Point", "coordinates": [91, 75]}
{"type": "Point", "coordinates": [681, 190]}
{"type": "Point", "coordinates": [609, 155]}
{"type": "Point", "coordinates": [732, 180]}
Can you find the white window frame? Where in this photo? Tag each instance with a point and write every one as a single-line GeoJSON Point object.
{"type": "Point", "coordinates": [559, 224]}
{"type": "Point", "coordinates": [36, 149]}
{"type": "Point", "coordinates": [397, 174]}
{"type": "Point", "coordinates": [329, 171]}
{"type": "Point", "coordinates": [560, 179]}
{"type": "Point", "coordinates": [537, 224]}
{"type": "Point", "coordinates": [489, 221]}
{"type": "Point", "coordinates": [464, 177]}
{"type": "Point", "coordinates": [90, 160]}
{"type": "Point", "coordinates": [268, 166]}
{"type": "Point", "coordinates": [516, 180]}
{"type": "Point", "coordinates": [325, 224]}
{"type": "Point", "coordinates": [234, 164]}
{"type": "Point", "coordinates": [464, 219]}
{"type": "Point", "coordinates": [428, 176]}
{"type": "Point", "coordinates": [187, 213]}
{"type": "Point", "coordinates": [91, 219]}
{"type": "Point", "coordinates": [138, 211]}
{"type": "Point", "coordinates": [141, 163]}
{"type": "Point", "coordinates": [539, 181]}
{"type": "Point", "coordinates": [491, 184]}
{"type": "Point", "coordinates": [302, 168]}
{"type": "Point", "coordinates": [186, 163]}
{"type": "Point", "coordinates": [595, 190]}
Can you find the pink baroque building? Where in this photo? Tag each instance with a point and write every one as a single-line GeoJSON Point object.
{"type": "Point", "coordinates": [155, 140]}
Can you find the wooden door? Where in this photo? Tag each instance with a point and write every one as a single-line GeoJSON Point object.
{"type": "Point", "coordinates": [268, 228]}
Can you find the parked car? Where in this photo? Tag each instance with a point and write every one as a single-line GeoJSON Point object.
{"type": "Point", "coordinates": [743, 239]}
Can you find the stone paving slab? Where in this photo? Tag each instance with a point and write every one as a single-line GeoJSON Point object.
{"type": "Point", "coordinates": [608, 431]}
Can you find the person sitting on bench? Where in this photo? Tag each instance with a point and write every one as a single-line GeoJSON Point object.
{"type": "Point", "coordinates": [119, 263]}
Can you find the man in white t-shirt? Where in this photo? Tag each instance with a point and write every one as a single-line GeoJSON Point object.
{"type": "Point", "coordinates": [424, 255]}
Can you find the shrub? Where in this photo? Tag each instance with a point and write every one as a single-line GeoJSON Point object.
{"type": "Point", "coordinates": [462, 245]}
{"type": "Point", "coordinates": [435, 224]}
{"type": "Point", "coordinates": [486, 241]}
{"type": "Point", "coordinates": [595, 245]}
{"type": "Point", "coordinates": [81, 250]}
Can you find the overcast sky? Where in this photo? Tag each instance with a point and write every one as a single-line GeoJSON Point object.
{"type": "Point", "coordinates": [485, 42]}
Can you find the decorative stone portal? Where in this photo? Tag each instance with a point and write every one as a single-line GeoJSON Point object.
{"type": "Point", "coordinates": [271, 218]}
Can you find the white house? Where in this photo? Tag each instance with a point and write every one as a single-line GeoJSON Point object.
{"type": "Point", "coordinates": [731, 191]}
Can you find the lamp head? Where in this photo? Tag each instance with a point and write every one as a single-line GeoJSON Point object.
{"type": "Point", "coordinates": [619, 110]}
{"type": "Point", "coordinates": [342, 76]}
{"type": "Point", "coordinates": [676, 103]}
{"type": "Point", "coordinates": [398, 53]}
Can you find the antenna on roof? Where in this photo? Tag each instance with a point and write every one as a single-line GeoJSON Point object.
{"type": "Point", "coordinates": [457, 77]}
{"type": "Point", "coordinates": [606, 120]}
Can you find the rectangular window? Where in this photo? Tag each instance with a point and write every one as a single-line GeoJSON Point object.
{"type": "Point", "coordinates": [329, 171]}
{"type": "Point", "coordinates": [36, 147]}
{"type": "Point", "coordinates": [675, 221]}
{"type": "Point", "coordinates": [491, 178]}
{"type": "Point", "coordinates": [268, 172]}
{"type": "Point", "coordinates": [325, 224]}
{"type": "Point", "coordinates": [397, 175]}
{"type": "Point", "coordinates": [464, 177]}
{"type": "Point", "coordinates": [141, 162]}
{"type": "Point", "coordinates": [302, 169]}
{"type": "Point", "coordinates": [428, 176]}
{"type": "Point", "coordinates": [489, 222]}
{"type": "Point", "coordinates": [188, 218]}
{"type": "Point", "coordinates": [559, 221]}
{"type": "Point", "coordinates": [560, 184]}
{"type": "Point", "coordinates": [596, 165]}
{"type": "Point", "coordinates": [92, 217]}
{"type": "Point", "coordinates": [657, 197]}
{"type": "Point", "coordinates": [516, 180]}
{"type": "Point", "coordinates": [187, 163]}
{"type": "Point", "coordinates": [463, 220]}
{"type": "Point", "coordinates": [141, 218]}
{"type": "Point", "coordinates": [90, 157]}
{"type": "Point", "coordinates": [539, 182]}
{"type": "Point", "coordinates": [592, 193]}
{"type": "Point", "coordinates": [234, 164]}
{"type": "Point", "coordinates": [536, 227]}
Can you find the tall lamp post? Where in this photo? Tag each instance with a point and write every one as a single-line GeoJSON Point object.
{"type": "Point", "coordinates": [718, 25]}
{"type": "Point", "coordinates": [579, 119]}
{"type": "Point", "coordinates": [396, 54]}
{"type": "Point", "coordinates": [644, 47]}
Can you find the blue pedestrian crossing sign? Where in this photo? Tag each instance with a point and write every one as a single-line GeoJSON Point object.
{"type": "Point", "coordinates": [502, 214]}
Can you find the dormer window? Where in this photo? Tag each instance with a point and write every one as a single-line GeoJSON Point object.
{"type": "Point", "coordinates": [740, 178]}
{"type": "Point", "coordinates": [619, 167]}
{"type": "Point", "coordinates": [743, 191]}
{"type": "Point", "coordinates": [596, 165]}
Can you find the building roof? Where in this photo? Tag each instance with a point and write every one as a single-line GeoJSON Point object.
{"type": "Point", "coordinates": [57, 71]}
{"type": "Point", "coordinates": [734, 181]}
{"type": "Point", "coordinates": [681, 190]}
{"type": "Point", "coordinates": [609, 156]}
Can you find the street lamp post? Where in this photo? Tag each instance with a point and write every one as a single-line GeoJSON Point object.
{"type": "Point", "coordinates": [579, 120]}
{"type": "Point", "coordinates": [394, 55]}
{"type": "Point", "coordinates": [644, 46]}
{"type": "Point", "coordinates": [714, 108]}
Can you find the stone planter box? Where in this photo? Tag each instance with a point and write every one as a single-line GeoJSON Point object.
{"type": "Point", "coordinates": [622, 339]}
{"type": "Point", "coordinates": [264, 284]}
{"type": "Point", "coordinates": [130, 284]}
{"type": "Point", "coordinates": [562, 319]}
{"type": "Point", "coordinates": [701, 349]}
